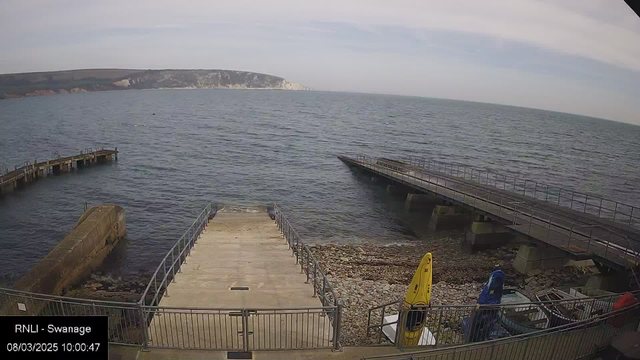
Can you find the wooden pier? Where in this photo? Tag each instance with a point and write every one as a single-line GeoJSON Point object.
{"type": "Point", "coordinates": [30, 172]}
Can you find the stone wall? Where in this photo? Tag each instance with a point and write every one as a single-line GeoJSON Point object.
{"type": "Point", "coordinates": [83, 250]}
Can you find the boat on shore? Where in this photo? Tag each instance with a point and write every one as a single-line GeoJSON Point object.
{"type": "Point", "coordinates": [520, 315]}
{"type": "Point", "coordinates": [562, 307]}
{"type": "Point", "coordinates": [601, 301]}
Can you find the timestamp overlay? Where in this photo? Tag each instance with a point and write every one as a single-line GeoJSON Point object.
{"type": "Point", "coordinates": [54, 337]}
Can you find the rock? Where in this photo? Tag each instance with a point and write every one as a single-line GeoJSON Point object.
{"type": "Point", "coordinates": [535, 272]}
{"type": "Point", "coordinates": [95, 285]}
{"type": "Point", "coordinates": [528, 280]}
{"type": "Point", "coordinates": [344, 259]}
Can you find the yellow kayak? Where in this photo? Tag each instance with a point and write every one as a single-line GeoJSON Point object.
{"type": "Point", "coordinates": [419, 293]}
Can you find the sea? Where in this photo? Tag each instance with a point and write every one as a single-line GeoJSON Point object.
{"type": "Point", "coordinates": [180, 149]}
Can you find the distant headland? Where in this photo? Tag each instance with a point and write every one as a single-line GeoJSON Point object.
{"type": "Point", "coordinates": [85, 80]}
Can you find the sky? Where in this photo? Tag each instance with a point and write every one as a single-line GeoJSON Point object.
{"type": "Point", "coordinates": [576, 56]}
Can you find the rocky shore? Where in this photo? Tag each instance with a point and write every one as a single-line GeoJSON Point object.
{"type": "Point", "coordinates": [371, 275]}
{"type": "Point", "coordinates": [111, 288]}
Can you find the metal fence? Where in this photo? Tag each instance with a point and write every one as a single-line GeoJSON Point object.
{"type": "Point", "coordinates": [242, 329]}
{"type": "Point", "coordinates": [173, 260]}
{"type": "Point", "coordinates": [313, 271]}
{"type": "Point", "coordinates": [578, 201]}
{"type": "Point", "coordinates": [449, 325]}
{"type": "Point", "coordinates": [567, 342]}
{"type": "Point", "coordinates": [536, 222]}
{"type": "Point", "coordinates": [126, 321]}
{"type": "Point", "coordinates": [148, 325]}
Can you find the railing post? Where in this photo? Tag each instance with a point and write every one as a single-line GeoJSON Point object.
{"type": "Point", "coordinates": [143, 328]}
{"type": "Point", "coordinates": [573, 193]}
{"type": "Point", "coordinates": [173, 267]}
{"type": "Point", "coordinates": [302, 258]}
{"type": "Point", "coordinates": [600, 207]}
{"type": "Point", "coordinates": [315, 278]}
{"type": "Point", "coordinates": [245, 330]}
{"type": "Point", "coordinates": [337, 327]}
{"type": "Point", "coordinates": [399, 340]}
{"type": "Point", "coordinates": [546, 193]}
{"type": "Point", "coordinates": [324, 290]}
{"type": "Point", "coordinates": [570, 234]}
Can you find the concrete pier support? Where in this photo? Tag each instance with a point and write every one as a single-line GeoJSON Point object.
{"type": "Point", "coordinates": [484, 235]}
{"type": "Point", "coordinates": [608, 282]}
{"type": "Point", "coordinates": [420, 202]}
{"type": "Point", "coordinates": [397, 190]}
{"type": "Point", "coordinates": [449, 217]}
{"type": "Point", "coordinates": [531, 257]}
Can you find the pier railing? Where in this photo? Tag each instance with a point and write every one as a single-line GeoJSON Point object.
{"type": "Point", "coordinates": [173, 260]}
{"type": "Point", "coordinates": [447, 325]}
{"type": "Point", "coordinates": [583, 202]}
{"type": "Point", "coordinates": [566, 342]}
{"type": "Point", "coordinates": [148, 325]}
{"type": "Point", "coordinates": [312, 269]}
{"type": "Point", "coordinates": [241, 329]}
{"type": "Point", "coordinates": [126, 321]}
{"type": "Point", "coordinates": [539, 223]}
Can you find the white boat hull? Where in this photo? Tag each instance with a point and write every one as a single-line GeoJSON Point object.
{"type": "Point", "coordinates": [389, 330]}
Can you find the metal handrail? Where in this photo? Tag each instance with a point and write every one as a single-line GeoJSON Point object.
{"type": "Point", "coordinates": [183, 248]}
{"type": "Point", "coordinates": [300, 249]}
{"type": "Point", "coordinates": [486, 199]}
{"type": "Point", "coordinates": [313, 270]}
{"type": "Point", "coordinates": [583, 324]}
{"type": "Point", "coordinates": [498, 306]}
{"type": "Point", "coordinates": [538, 189]}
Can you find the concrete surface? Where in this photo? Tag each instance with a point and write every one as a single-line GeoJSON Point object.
{"type": "Point", "coordinates": [348, 353]}
{"type": "Point", "coordinates": [449, 217]}
{"type": "Point", "coordinates": [80, 252]}
{"type": "Point", "coordinates": [420, 202]}
{"type": "Point", "coordinates": [483, 235]}
{"type": "Point", "coordinates": [241, 249]}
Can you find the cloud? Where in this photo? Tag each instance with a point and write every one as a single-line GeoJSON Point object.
{"type": "Point", "coordinates": [606, 31]}
{"type": "Point", "coordinates": [575, 56]}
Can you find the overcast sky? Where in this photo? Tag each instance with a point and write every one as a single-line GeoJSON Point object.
{"type": "Point", "coordinates": [578, 56]}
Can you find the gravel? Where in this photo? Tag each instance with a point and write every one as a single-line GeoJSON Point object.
{"type": "Point", "coordinates": [371, 275]}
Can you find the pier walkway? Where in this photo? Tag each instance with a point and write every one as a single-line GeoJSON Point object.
{"type": "Point", "coordinates": [32, 171]}
{"type": "Point", "coordinates": [242, 251]}
{"type": "Point", "coordinates": [242, 287]}
{"type": "Point", "coordinates": [542, 213]}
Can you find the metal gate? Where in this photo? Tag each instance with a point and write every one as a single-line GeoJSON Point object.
{"type": "Point", "coordinates": [242, 329]}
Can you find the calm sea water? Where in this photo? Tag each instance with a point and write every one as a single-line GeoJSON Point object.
{"type": "Point", "coordinates": [254, 147]}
